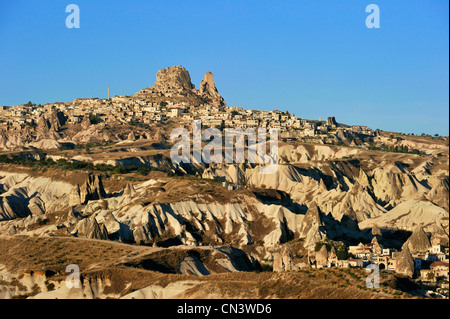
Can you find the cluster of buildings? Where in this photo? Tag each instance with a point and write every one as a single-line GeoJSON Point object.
{"type": "Point", "coordinates": [430, 266]}
{"type": "Point", "coordinates": [139, 109]}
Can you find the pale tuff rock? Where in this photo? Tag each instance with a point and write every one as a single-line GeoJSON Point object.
{"type": "Point", "coordinates": [11, 208]}
{"type": "Point", "coordinates": [129, 190]}
{"type": "Point", "coordinates": [439, 236]}
{"type": "Point", "coordinates": [175, 77]}
{"type": "Point", "coordinates": [359, 203]}
{"type": "Point", "coordinates": [92, 189]}
{"type": "Point", "coordinates": [377, 248]}
{"type": "Point", "coordinates": [405, 262]}
{"type": "Point", "coordinates": [143, 234]}
{"type": "Point", "coordinates": [36, 206]}
{"type": "Point", "coordinates": [312, 228]}
{"type": "Point", "coordinates": [208, 90]}
{"type": "Point", "coordinates": [363, 180]}
{"type": "Point", "coordinates": [283, 260]}
{"type": "Point", "coordinates": [418, 241]}
{"type": "Point", "coordinates": [3, 140]}
{"type": "Point", "coordinates": [376, 231]}
{"type": "Point", "coordinates": [86, 122]}
{"type": "Point", "coordinates": [90, 228]}
{"type": "Point", "coordinates": [407, 215]}
{"type": "Point", "coordinates": [43, 125]}
{"type": "Point", "coordinates": [45, 144]}
{"type": "Point", "coordinates": [191, 265]}
{"type": "Point", "coordinates": [285, 221]}
{"type": "Point", "coordinates": [392, 184]}
{"type": "Point", "coordinates": [439, 194]}
{"type": "Point", "coordinates": [14, 141]}
{"type": "Point", "coordinates": [232, 173]}
{"type": "Point", "coordinates": [131, 136]}
{"type": "Point", "coordinates": [159, 137]}
{"type": "Point", "coordinates": [75, 196]}
{"type": "Point", "coordinates": [305, 154]}
{"type": "Point", "coordinates": [57, 120]}
{"type": "Point", "coordinates": [349, 219]}
{"type": "Point", "coordinates": [331, 121]}
{"type": "Point", "coordinates": [91, 134]}
{"type": "Point", "coordinates": [48, 127]}
{"type": "Point", "coordinates": [332, 254]}
{"type": "Point", "coordinates": [175, 82]}
{"type": "Point", "coordinates": [322, 256]}
{"type": "Point", "coordinates": [72, 216]}
{"type": "Point", "coordinates": [25, 195]}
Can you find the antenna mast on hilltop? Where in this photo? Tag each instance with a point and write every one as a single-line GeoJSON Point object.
{"type": "Point", "coordinates": [108, 93]}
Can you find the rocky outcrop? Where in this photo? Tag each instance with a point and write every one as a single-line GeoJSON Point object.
{"type": "Point", "coordinates": [174, 83]}
{"type": "Point", "coordinates": [376, 231]}
{"type": "Point", "coordinates": [191, 265]}
{"type": "Point", "coordinates": [92, 189]}
{"type": "Point", "coordinates": [36, 206]}
{"type": "Point", "coordinates": [25, 195]}
{"type": "Point", "coordinates": [312, 228]}
{"type": "Point", "coordinates": [418, 241]}
{"type": "Point", "coordinates": [75, 196]}
{"type": "Point", "coordinates": [91, 133]}
{"type": "Point", "coordinates": [171, 78]}
{"type": "Point", "coordinates": [405, 262]}
{"type": "Point", "coordinates": [322, 256]}
{"type": "Point", "coordinates": [439, 236]}
{"type": "Point", "coordinates": [86, 122]}
{"type": "Point", "coordinates": [407, 215]}
{"type": "Point", "coordinates": [89, 228]}
{"type": "Point", "coordinates": [331, 121]}
{"type": "Point", "coordinates": [439, 193]}
{"type": "Point", "coordinates": [209, 92]}
{"type": "Point", "coordinates": [129, 190]}
{"type": "Point", "coordinates": [332, 255]}
{"type": "Point", "coordinates": [48, 127]}
{"type": "Point", "coordinates": [56, 120]}
{"type": "Point", "coordinates": [350, 220]}
{"type": "Point", "coordinates": [283, 260]}
{"type": "Point", "coordinates": [376, 247]}
{"type": "Point", "coordinates": [43, 125]}
{"type": "Point", "coordinates": [131, 136]}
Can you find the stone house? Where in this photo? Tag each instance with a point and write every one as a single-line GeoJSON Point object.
{"type": "Point", "coordinates": [176, 111]}
{"type": "Point", "coordinates": [355, 263]}
{"type": "Point", "coordinates": [438, 270]}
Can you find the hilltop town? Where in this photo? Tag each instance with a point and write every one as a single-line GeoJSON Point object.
{"type": "Point", "coordinates": [173, 97]}
{"type": "Point", "coordinates": [98, 169]}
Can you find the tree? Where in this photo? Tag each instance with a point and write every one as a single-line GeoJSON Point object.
{"type": "Point", "coordinates": [95, 119]}
{"type": "Point", "coordinates": [342, 254]}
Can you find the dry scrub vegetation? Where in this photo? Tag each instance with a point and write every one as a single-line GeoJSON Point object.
{"type": "Point", "coordinates": [128, 268]}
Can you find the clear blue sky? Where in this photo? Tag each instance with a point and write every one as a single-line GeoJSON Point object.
{"type": "Point", "coordinates": [313, 58]}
